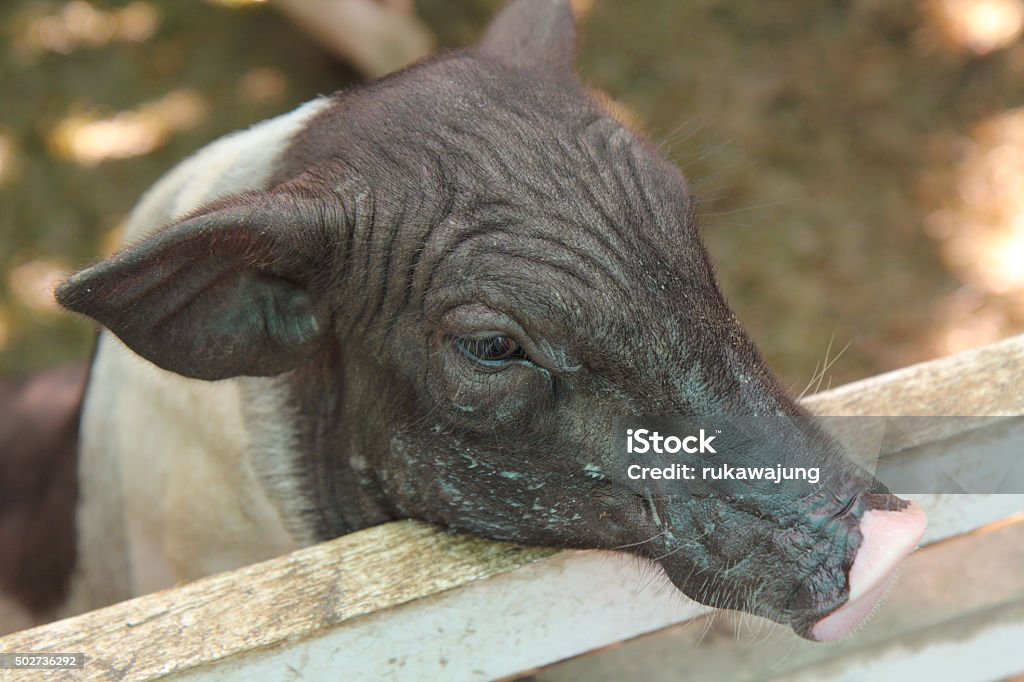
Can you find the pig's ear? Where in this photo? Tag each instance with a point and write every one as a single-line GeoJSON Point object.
{"type": "Point", "coordinates": [235, 291]}
{"type": "Point", "coordinates": [533, 34]}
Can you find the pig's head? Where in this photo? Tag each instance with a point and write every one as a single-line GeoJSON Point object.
{"type": "Point", "coordinates": [459, 278]}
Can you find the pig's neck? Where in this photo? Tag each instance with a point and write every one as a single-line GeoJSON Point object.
{"type": "Point", "coordinates": [169, 492]}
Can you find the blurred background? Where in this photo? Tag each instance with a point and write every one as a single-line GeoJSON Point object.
{"type": "Point", "coordinates": [859, 165]}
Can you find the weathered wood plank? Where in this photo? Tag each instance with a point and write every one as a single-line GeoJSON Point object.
{"type": "Point", "coordinates": [492, 628]}
{"type": "Point", "coordinates": [296, 612]}
{"type": "Point", "coordinates": [274, 601]}
{"type": "Point", "coordinates": [403, 601]}
{"type": "Point", "coordinates": [984, 381]}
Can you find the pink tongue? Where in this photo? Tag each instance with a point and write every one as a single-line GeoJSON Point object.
{"type": "Point", "coordinates": [887, 537]}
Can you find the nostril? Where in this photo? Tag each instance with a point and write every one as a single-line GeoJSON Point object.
{"type": "Point", "coordinates": [887, 537]}
{"type": "Point", "coordinates": [845, 509]}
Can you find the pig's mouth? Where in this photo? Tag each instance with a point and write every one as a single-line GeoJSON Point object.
{"type": "Point", "coordinates": [887, 537]}
{"type": "Point", "coordinates": [828, 603]}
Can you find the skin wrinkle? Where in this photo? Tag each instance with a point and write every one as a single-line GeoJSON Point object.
{"type": "Point", "coordinates": [388, 255]}
{"type": "Point", "coordinates": [373, 294]}
{"type": "Point", "coordinates": [536, 249]}
{"type": "Point", "coordinates": [395, 222]}
{"type": "Point", "coordinates": [442, 217]}
{"type": "Point", "coordinates": [594, 167]}
{"type": "Point", "coordinates": [597, 260]}
{"type": "Point", "coordinates": [590, 259]}
{"type": "Point", "coordinates": [556, 269]}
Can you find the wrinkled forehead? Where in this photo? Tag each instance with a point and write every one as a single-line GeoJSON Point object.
{"type": "Point", "coordinates": [557, 209]}
{"type": "Point", "coordinates": [571, 266]}
{"type": "Point", "coordinates": [502, 132]}
{"type": "Point", "coordinates": [548, 206]}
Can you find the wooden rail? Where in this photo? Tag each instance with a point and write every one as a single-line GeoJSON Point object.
{"type": "Point", "coordinates": [406, 601]}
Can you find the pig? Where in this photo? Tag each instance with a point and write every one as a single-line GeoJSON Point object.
{"type": "Point", "coordinates": [433, 297]}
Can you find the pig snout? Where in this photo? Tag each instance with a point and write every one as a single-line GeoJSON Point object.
{"type": "Point", "coordinates": [887, 537]}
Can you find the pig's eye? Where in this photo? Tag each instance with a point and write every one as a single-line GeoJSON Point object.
{"type": "Point", "coordinates": [490, 351]}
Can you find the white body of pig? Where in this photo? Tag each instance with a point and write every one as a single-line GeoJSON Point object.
{"type": "Point", "coordinates": [169, 490]}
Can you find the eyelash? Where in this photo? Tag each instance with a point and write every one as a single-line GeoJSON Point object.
{"type": "Point", "coordinates": [494, 351]}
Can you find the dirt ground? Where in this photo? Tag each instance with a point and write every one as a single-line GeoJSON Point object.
{"type": "Point", "coordinates": [860, 165]}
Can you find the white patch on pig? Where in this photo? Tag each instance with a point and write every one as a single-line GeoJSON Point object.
{"type": "Point", "coordinates": [170, 487]}
{"type": "Point", "coordinates": [238, 162]}
{"type": "Point", "coordinates": [274, 453]}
